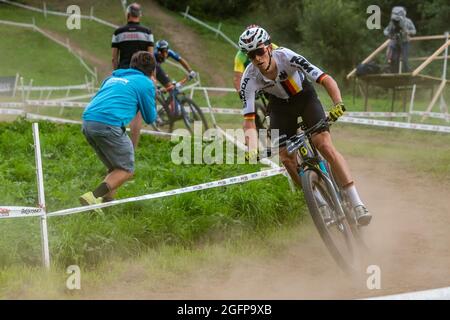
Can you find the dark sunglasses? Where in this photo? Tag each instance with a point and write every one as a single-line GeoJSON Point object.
{"type": "Point", "coordinates": [257, 52]}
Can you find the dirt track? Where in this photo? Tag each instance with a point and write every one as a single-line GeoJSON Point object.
{"type": "Point", "coordinates": [408, 237]}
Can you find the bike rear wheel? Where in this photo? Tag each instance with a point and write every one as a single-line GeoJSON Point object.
{"type": "Point", "coordinates": [329, 220]}
{"type": "Point", "coordinates": [191, 113]}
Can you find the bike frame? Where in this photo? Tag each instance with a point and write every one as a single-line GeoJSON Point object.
{"type": "Point", "coordinates": [312, 160]}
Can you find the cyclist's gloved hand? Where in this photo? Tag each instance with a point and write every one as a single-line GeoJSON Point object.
{"type": "Point", "coordinates": [251, 155]}
{"type": "Point", "coordinates": [192, 74]}
{"type": "Point", "coordinates": [337, 111]}
{"type": "Point", "coordinates": [178, 85]}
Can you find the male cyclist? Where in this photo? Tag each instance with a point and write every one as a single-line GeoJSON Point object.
{"type": "Point", "coordinates": [161, 53]}
{"type": "Point", "coordinates": [283, 74]}
{"type": "Point", "coordinates": [241, 61]}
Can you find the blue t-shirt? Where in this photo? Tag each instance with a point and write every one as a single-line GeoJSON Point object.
{"type": "Point", "coordinates": [120, 97]}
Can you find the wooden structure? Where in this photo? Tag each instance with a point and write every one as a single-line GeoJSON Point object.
{"type": "Point", "coordinates": [409, 81]}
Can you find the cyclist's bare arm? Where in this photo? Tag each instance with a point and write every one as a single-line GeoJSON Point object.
{"type": "Point", "coordinates": [115, 58]}
{"type": "Point", "coordinates": [332, 88]}
{"type": "Point", "coordinates": [237, 80]}
{"type": "Point", "coordinates": [185, 64]}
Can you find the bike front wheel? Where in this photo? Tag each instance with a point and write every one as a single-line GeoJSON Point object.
{"type": "Point", "coordinates": [191, 113]}
{"type": "Point", "coordinates": [329, 220]}
{"type": "Point", "coordinates": [164, 121]}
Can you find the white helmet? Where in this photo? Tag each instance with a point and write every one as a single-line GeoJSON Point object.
{"type": "Point", "coordinates": [251, 38]}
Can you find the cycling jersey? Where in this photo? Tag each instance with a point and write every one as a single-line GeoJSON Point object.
{"type": "Point", "coordinates": [241, 61]}
{"type": "Point", "coordinates": [292, 72]}
{"type": "Point", "coordinates": [172, 54]}
{"type": "Point", "coordinates": [129, 39]}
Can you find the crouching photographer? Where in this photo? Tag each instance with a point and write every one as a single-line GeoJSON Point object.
{"type": "Point", "coordinates": [399, 30]}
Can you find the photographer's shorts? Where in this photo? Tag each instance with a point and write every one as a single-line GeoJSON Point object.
{"type": "Point", "coordinates": [284, 113]}
{"type": "Point", "coordinates": [112, 145]}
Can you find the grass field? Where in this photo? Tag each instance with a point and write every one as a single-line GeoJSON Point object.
{"type": "Point", "coordinates": [71, 168]}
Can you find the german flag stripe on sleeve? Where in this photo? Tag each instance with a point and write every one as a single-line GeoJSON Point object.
{"type": "Point", "coordinates": [250, 116]}
{"type": "Point", "coordinates": [322, 77]}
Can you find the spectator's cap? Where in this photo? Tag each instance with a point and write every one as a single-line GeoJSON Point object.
{"type": "Point", "coordinates": [398, 13]}
{"type": "Point", "coordinates": [134, 10]}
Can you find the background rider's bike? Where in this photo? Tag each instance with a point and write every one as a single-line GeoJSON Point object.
{"type": "Point", "coordinates": [328, 205]}
{"type": "Point", "coordinates": [262, 112]}
{"type": "Point", "coordinates": [174, 105]}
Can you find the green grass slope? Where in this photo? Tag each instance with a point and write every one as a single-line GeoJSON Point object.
{"type": "Point", "coordinates": [71, 168]}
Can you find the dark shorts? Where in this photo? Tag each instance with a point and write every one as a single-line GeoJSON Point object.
{"type": "Point", "coordinates": [284, 113]}
{"type": "Point", "coordinates": [161, 75]}
{"type": "Point", "coordinates": [112, 145]}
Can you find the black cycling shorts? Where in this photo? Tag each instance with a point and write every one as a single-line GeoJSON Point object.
{"type": "Point", "coordinates": [161, 76]}
{"type": "Point", "coordinates": [284, 113]}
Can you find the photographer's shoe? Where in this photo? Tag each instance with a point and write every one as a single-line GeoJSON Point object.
{"type": "Point", "coordinates": [362, 215]}
{"type": "Point", "coordinates": [88, 199]}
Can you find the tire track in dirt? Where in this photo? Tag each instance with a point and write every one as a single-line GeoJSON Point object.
{"type": "Point", "coordinates": [408, 240]}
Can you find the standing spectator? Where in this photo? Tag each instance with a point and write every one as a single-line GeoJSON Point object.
{"type": "Point", "coordinates": [120, 98]}
{"type": "Point", "coordinates": [127, 40]}
{"type": "Point", "coordinates": [399, 30]}
{"type": "Point", "coordinates": [130, 38]}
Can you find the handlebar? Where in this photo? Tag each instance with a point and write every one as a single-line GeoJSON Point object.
{"type": "Point", "coordinates": [174, 85]}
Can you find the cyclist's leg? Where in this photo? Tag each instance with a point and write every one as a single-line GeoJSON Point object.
{"type": "Point", "coordinates": [161, 76]}
{"type": "Point", "coordinates": [312, 113]}
{"type": "Point", "coordinates": [283, 125]}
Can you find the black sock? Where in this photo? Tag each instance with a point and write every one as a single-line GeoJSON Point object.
{"type": "Point", "coordinates": [101, 190]}
{"type": "Point", "coordinates": [107, 199]}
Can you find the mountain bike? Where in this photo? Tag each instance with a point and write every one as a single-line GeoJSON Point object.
{"type": "Point", "coordinates": [328, 205]}
{"type": "Point", "coordinates": [262, 112]}
{"type": "Point", "coordinates": [174, 105]}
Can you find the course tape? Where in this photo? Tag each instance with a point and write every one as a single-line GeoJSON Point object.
{"type": "Point", "coordinates": [433, 294]}
{"type": "Point", "coordinates": [20, 212]}
{"type": "Point", "coordinates": [208, 185]}
{"type": "Point", "coordinates": [395, 124]}
{"type": "Point", "coordinates": [12, 104]}
{"type": "Point", "coordinates": [12, 111]}
{"type": "Point", "coordinates": [377, 114]}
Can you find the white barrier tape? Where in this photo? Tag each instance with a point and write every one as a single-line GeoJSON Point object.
{"type": "Point", "coordinates": [85, 96]}
{"type": "Point", "coordinates": [61, 88]}
{"type": "Point", "coordinates": [33, 116]}
{"type": "Point", "coordinates": [435, 115]}
{"type": "Point", "coordinates": [12, 105]}
{"type": "Point", "coordinates": [12, 112]}
{"type": "Point", "coordinates": [395, 124]}
{"type": "Point", "coordinates": [57, 13]}
{"type": "Point", "coordinates": [222, 110]}
{"type": "Point", "coordinates": [433, 294]}
{"type": "Point", "coordinates": [17, 24]}
{"type": "Point", "coordinates": [53, 103]}
{"type": "Point", "coordinates": [241, 146]}
{"type": "Point", "coordinates": [219, 89]}
{"type": "Point", "coordinates": [20, 212]}
{"type": "Point", "coordinates": [208, 185]}
{"type": "Point", "coordinates": [378, 114]}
